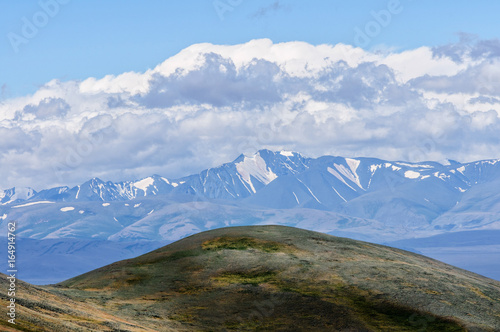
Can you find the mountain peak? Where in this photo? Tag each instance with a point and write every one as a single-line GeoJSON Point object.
{"type": "Point", "coordinates": [16, 193]}
{"type": "Point", "coordinates": [267, 154]}
{"type": "Point", "coordinates": [287, 153]}
{"type": "Point", "coordinates": [284, 153]}
{"type": "Point", "coordinates": [95, 180]}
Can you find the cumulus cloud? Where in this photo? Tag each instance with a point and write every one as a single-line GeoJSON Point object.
{"type": "Point", "coordinates": [209, 103]}
{"type": "Point", "coordinates": [47, 108]}
{"type": "Point", "coordinates": [218, 82]}
{"type": "Point", "coordinates": [469, 47]}
{"type": "Point", "coordinates": [482, 79]}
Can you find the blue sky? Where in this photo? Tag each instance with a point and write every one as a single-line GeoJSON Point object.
{"type": "Point", "coordinates": [95, 38]}
{"type": "Point", "coordinates": [122, 90]}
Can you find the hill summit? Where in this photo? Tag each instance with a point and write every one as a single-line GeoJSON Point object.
{"type": "Point", "coordinates": [271, 278]}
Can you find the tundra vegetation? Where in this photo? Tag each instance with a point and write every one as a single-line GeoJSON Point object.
{"type": "Point", "coordinates": [263, 278]}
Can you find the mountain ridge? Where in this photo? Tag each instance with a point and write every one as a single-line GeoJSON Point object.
{"type": "Point", "coordinates": [261, 168]}
{"type": "Point", "coordinates": [424, 198]}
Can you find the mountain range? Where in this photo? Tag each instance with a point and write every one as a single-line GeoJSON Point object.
{"type": "Point", "coordinates": [362, 198]}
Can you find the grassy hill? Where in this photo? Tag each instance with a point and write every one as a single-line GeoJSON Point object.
{"type": "Point", "coordinates": [40, 310]}
{"type": "Point", "coordinates": [268, 278]}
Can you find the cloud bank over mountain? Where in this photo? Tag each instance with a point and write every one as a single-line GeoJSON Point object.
{"type": "Point", "coordinates": [209, 103]}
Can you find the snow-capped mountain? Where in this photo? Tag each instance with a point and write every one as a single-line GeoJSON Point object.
{"type": "Point", "coordinates": [236, 180]}
{"type": "Point", "coordinates": [98, 190]}
{"type": "Point", "coordinates": [362, 198]}
{"type": "Point", "coordinates": [14, 195]}
{"type": "Point", "coordinates": [411, 197]}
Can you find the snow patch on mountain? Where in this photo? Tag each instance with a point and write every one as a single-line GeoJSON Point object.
{"type": "Point", "coordinates": [255, 167]}
{"type": "Point", "coordinates": [144, 184]}
{"type": "Point", "coordinates": [412, 175]}
{"type": "Point", "coordinates": [393, 167]}
{"type": "Point", "coordinates": [338, 176]}
{"type": "Point", "coordinates": [339, 194]}
{"type": "Point", "coordinates": [32, 203]}
{"type": "Point", "coordinates": [353, 164]}
{"type": "Point", "coordinates": [414, 165]}
{"type": "Point", "coordinates": [286, 153]}
{"type": "Point", "coordinates": [310, 191]}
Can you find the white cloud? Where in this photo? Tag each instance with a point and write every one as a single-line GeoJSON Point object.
{"type": "Point", "coordinates": [420, 62]}
{"type": "Point", "coordinates": [209, 103]}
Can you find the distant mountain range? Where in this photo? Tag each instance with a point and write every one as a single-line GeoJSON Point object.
{"type": "Point", "coordinates": [362, 198]}
{"type": "Point", "coordinates": [407, 198]}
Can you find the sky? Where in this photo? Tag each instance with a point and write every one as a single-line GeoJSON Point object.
{"type": "Point", "coordinates": [125, 89]}
{"type": "Point", "coordinates": [94, 38]}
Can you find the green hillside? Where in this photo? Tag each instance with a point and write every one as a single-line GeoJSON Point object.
{"type": "Point", "coordinates": [274, 278]}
